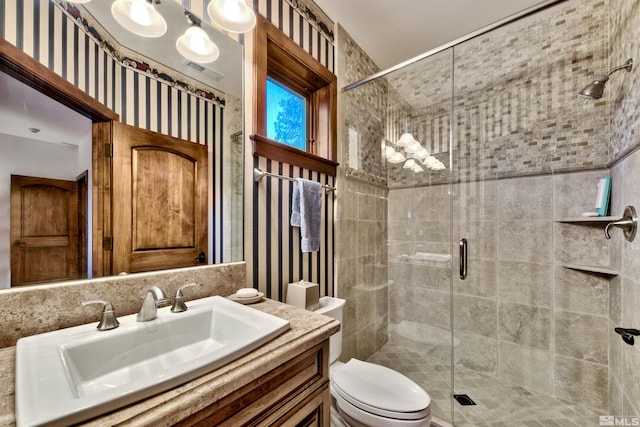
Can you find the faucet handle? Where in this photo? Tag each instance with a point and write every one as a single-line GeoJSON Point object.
{"type": "Point", "coordinates": [108, 320]}
{"type": "Point", "coordinates": [178, 303]}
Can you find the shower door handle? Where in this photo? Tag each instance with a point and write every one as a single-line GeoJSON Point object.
{"type": "Point", "coordinates": [463, 258]}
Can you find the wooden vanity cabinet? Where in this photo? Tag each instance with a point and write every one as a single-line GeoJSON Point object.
{"type": "Point", "coordinates": [295, 393]}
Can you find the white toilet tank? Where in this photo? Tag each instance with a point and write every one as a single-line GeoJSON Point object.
{"type": "Point", "coordinates": [333, 307]}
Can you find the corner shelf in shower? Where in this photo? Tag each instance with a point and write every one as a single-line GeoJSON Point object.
{"type": "Point", "coordinates": [606, 271]}
{"type": "Point", "coordinates": [588, 220]}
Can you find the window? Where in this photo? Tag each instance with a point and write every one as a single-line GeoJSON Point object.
{"type": "Point", "coordinates": [286, 115]}
{"type": "Point", "coordinates": [294, 103]}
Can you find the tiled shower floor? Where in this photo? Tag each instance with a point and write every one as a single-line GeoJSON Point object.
{"type": "Point", "coordinates": [499, 404]}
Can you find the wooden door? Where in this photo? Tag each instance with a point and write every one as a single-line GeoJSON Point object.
{"type": "Point", "coordinates": [44, 230]}
{"type": "Point", "coordinates": [159, 201]}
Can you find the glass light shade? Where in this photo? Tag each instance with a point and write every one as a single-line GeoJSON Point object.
{"type": "Point", "coordinates": [389, 152]}
{"type": "Point", "coordinates": [439, 167]}
{"type": "Point", "coordinates": [430, 162]}
{"type": "Point", "coordinates": [397, 158]}
{"type": "Point", "coordinates": [405, 140]}
{"type": "Point", "coordinates": [196, 46]}
{"type": "Point", "coordinates": [410, 164]}
{"type": "Point", "coordinates": [413, 147]}
{"type": "Point", "coordinates": [232, 15]}
{"type": "Point", "coordinates": [417, 169]}
{"type": "Point", "coordinates": [139, 17]}
{"type": "Point", "coordinates": [421, 154]}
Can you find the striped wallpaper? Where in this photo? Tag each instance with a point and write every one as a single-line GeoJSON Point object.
{"type": "Point", "coordinates": [295, 19]}
{"type": "Point", "coordinates": [41, 29]}
{"type": "Point", "coordinates": [275, 258]}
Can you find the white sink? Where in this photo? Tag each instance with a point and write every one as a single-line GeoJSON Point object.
{"type": "Point", "coordinates": [71, 375]}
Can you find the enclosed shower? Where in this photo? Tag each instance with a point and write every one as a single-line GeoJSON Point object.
{"type": "Point", "coordinates": [488, 155]}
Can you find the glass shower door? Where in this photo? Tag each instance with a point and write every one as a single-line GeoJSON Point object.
{"type": "Point", "coordinates": [417, 151]}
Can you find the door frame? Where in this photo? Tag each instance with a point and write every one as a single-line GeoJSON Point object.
{"type": "Point", "coordinates": [29, 71]}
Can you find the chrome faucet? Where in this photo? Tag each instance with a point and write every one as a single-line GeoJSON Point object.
{"type": "Point", "coordinates": [178, 303]}
{"type": "Point", "coordinates": [153, 299]}
{"type": "Point", "coordinates": [108, 320]}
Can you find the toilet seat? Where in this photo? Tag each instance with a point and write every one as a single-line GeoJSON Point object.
{"type": "Point", "coordinates": [380, 391]}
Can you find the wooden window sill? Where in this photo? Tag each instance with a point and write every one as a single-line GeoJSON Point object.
{"type": "Point", "coordinates": [270, 149]}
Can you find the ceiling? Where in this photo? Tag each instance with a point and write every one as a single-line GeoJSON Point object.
{"type": "Point", "coordinates": [28, 114]}
{"type": "Point", "coordinates": [393, 31]}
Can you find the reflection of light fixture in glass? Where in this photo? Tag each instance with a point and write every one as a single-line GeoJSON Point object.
{"type": "Point", "coordinates": [232, 15]}
{"type": "Point", "coordinates": [405, 140]}
{"type": "Point", "coordinates": [410, 164]}
{"type": "Point", "coordinates": [421, 154]}
{"type": "Point", "coordinates": [389, 152]}
{"type": "Point", "coordinates": [417, 169]}
{"type": "Point", "coordinates": [434, 164]}
{"type": "Point", "coordinates": [139, 17]}
{"type": "Point", "coordinates": [430, 161]}
{"type": "Point", "coordinates": [397, 158]}
{"type": "Point", "coordinates": [413, 147]}
{"type": "Point", "coordinates": [195, 44]}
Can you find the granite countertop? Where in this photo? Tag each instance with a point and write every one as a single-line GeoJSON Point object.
{"type": "Point", "coordinates": [164, 409]}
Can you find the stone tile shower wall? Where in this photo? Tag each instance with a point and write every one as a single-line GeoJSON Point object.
{"type": "Point", "coordinates": [516, 107]}
{"type": "Point", "coordinates": [518, 121]}
{"type": "Point", "coordinates": [361, 206]}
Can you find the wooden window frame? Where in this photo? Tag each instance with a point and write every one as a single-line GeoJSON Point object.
{"type": "Point", "coordinates": [278, 57]}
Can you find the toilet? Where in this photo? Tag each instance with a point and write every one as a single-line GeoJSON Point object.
{"type": "Point", "coordinates": [366, 394]}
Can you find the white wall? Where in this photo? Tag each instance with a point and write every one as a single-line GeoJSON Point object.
{"type": "Point", "coordinates": [27, 157]}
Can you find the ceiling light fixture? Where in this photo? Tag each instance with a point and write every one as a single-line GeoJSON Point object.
{"type": "Point", "coordinates": [139, 17]}
{"type": "Point", "coordinates": [232, 15]}
{"type": "Point", "coordinates": [195, 44]}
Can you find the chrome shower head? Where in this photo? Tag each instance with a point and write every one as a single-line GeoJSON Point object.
{"type": "Point", "coordinates": [595, 89]}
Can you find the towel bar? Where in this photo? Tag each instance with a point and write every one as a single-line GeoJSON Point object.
{"type": "Point", "coordinates": [259, 174]}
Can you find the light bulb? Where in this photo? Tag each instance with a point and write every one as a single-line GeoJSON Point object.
{"type": "Point", "coordinates": [139, 17]}
{"type": "Point", "coordinates": [196, 46]}
{"type": "Point", "coordinates": [139, 13]}
{"type": "Point", "coordinates": [232, 15]}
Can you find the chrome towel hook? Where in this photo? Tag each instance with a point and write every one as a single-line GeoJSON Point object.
{"type": "Point", "coordinates": [628, 223]}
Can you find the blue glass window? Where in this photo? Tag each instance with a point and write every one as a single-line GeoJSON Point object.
{"type": "Point", "coordinates": [286, 115]}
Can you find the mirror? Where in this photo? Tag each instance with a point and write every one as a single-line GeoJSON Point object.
{"type": "Point", "coordinates": [150, 86]}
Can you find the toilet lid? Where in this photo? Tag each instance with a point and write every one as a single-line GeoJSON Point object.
{"type": "Point", "coordinates": [380, 390]}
